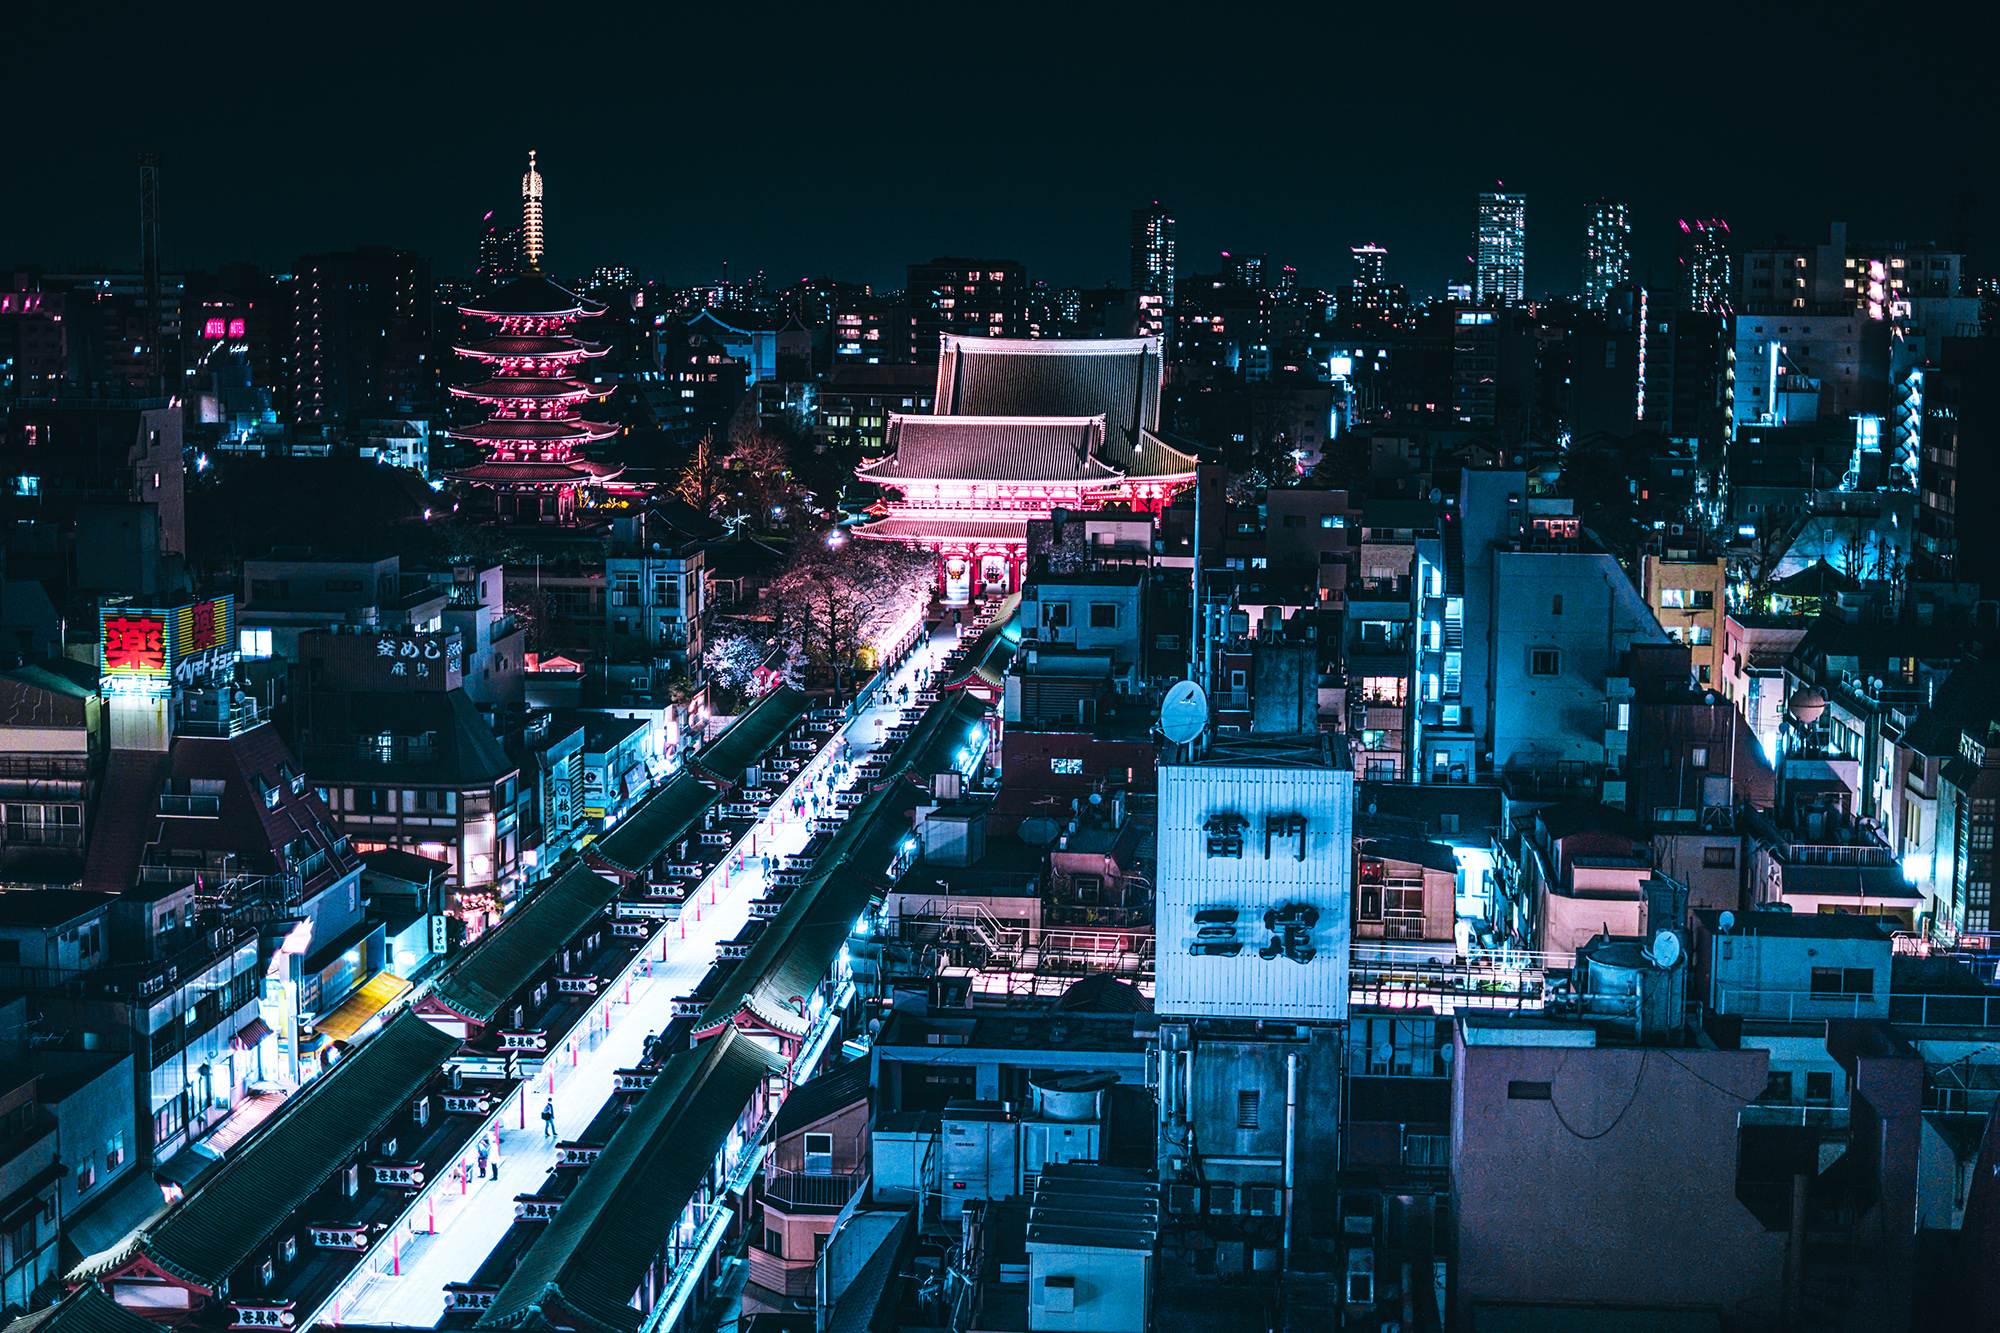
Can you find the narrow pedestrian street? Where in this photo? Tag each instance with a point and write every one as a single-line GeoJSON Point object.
{"type": "Point", "coordinates": [405, 1283]}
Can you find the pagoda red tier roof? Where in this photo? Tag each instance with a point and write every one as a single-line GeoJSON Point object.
{"type": "Point", "coordinates": [508, 428]}
{"type": "Point", "coordinates": [570, 471]}
{"type": "Point", "coordinates": [532, 294]}
{"type": "Point", "coordinates": [993, 449]}
{"type": "Point", "coordinates": [499, 390]}
{"type": "Point", "coordinates": [519, 348]}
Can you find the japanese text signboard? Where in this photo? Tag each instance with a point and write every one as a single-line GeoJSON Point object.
{"type": "Point", "coordinates": [151, 650]}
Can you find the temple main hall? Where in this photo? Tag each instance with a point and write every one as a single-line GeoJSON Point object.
{"type": "Point", "coordinates": [1023, 427]}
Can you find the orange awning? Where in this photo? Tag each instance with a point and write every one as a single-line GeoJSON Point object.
{"type": "Point", "coordinates": [371, 999]}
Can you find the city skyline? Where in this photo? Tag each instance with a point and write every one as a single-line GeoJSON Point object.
{"type": "Point", "coordinates": [1055, 190]}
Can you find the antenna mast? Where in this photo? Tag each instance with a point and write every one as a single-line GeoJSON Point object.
{"type": "Point", "coordinates": [149, 262]}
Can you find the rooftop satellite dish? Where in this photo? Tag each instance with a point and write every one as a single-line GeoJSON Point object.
{"type": "Point", "coordinates": [1183, 713]}
{"type": "Point", "coordinates": [1384, 1053]}
{"type": "Point", "coordinates": [1445, 1053]}
{"type": "Point", "coordinates": [1666, 949]}
{"type": "Point", "coordinates": [1727, 921]}
{"type": "Point", "coordinates": [1097, 798]}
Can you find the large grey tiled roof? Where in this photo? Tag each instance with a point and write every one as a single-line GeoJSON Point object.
{"type": "Point", "coordinates": [1118, 379]}
{"type": "Point", "coordinates": [967, 448]}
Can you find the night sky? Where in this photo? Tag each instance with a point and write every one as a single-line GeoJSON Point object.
{"type": "Point", "coordinates": [851, 139]}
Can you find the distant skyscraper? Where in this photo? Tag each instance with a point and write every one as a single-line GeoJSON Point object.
{"type": "Point", "coordinates": [361, 335]}
{"type": "Point", "coordinates": [1153, 251]}
{"type": "Point", "coordinates": [531, 216]}
{"type": "Point", "coordinates": [1246, 270]}
{"type": "Point", "coordinates": [1607, 252]}
{"type": "Point", "coordinates": [1370, 266]}
{"type": "Point", "coordinates": [1705, 282]}
{"type": "Point", "coordinates": [499, 255]}
{"type": "Point", "coordinates": [1500, 271]}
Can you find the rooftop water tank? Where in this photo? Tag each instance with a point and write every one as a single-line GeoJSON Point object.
{"type": "Point", "coordinates": [1071, 1097]}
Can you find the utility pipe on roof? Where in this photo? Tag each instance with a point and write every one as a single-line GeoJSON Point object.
{"type": "Point", "coordinates": [1291, 1138]}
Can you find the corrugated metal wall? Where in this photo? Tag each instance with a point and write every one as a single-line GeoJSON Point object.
{"type": "Point", "coordinates": [1247, 985]}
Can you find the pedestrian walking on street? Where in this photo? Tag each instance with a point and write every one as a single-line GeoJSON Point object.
{"type": "Point", "coordinates": [549, 1118]}
{"type": "Point", "coordinates": [482, 1157]}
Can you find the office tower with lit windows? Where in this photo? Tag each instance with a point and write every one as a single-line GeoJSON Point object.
{"type": "Point", "coordinates": [1246, 271]}
{"type": "Point", "coordinates": [1500, 275]}
{"type": "Point", "coordinates": [1704, 263]}
{"type": "Point", "coordinates": [1371, 265]}
{"type": "Point", "coordinates": [1607, 252]}
{"type": "Point", "coordinates": [1153, 251]}
{"type": "Point", "coordinates": [979, 298]}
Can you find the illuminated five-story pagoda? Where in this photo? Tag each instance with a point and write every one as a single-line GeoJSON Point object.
{"type": "Point", "coordinates": [534, 427]}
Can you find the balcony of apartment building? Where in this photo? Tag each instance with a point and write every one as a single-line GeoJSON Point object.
{"type": "Point", "coordinates": [1563, 780]}
{"type": "Point", "coordinates": [1817, 858]}
{"type": "Point", "coordinates": [218, 713]}
{"type": "Point", "coordinates": [1378, 595]}
{"type": "Point", "coordinates": [1399, 1098]}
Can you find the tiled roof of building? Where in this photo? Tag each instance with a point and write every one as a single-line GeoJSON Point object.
{"type": "Point", "coordinates": [271, 1175]}
{"type": "Point", "coordinates": [574, 469]}
{"type": "Point", "coordinates": [1412, 851]}
{"type": "Point", "coordinates": [255, 829]}
{"type": "Point", "coordinates": [660, 819]}
{"type": "Point", "coordinates": [86, 1310]}
{"type": "Point", "coordinates": [797, 948]}
{"type": "Point", "coordinates": [517, 348]}
{"type": "Point", "coordinates": [816, 1099]}
{"type": "Point", "coordinates": [510, 956]}
{"type": "Point", "coordinates": [750, 735]}
{"type": "Point", "coordinates": [597, 1249]}
{"type": "Point", "coordinates": [907, 527]}
{"type": "Point", "coordinates": [1819, 579]}
{"type": "Point", "coordinates": [534, 429]}
{"type": "Point", "coordinates": [1118, 379]}
{"type": "Point", "coordinates": [398, 863]}
{"type": "Point", "coordinates": [464, 750]}
{"type": "Point", "coordinates": [33, 696]}
{"type": "Point", "coordinates": [532, 294]}
{"type": "Point", "coordinates": [1102, 993]}
{"type": "Point", "coordinates": [987, 656]}
{"type": "Point", "coordinates": [526, 388]}
{"type": "Point", "coordinates": [966, 448]}
{"type": "Point", "coordinates": [1152, 458]}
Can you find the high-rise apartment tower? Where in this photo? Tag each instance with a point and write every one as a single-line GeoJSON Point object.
{"type": "Point", "coordinates": [1607, 252]}
{"type": "Point", "coordinates": [1153, 251]}
{"type": "Point", "coordinates": [1500, 274]}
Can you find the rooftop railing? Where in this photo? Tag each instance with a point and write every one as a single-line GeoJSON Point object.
{"type": "Point", "coordinates": [808, 1189]}
{"type": "Point", "coordinates": [1793, 1006]}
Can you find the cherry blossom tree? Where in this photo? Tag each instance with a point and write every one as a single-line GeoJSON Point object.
{"type": "Point", "coordinates": [837, 597]}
